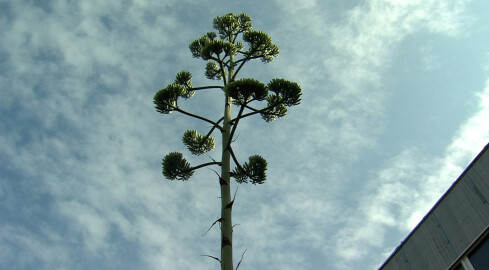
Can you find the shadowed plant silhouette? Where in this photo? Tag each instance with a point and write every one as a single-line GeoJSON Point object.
{"type": "Point", "coordinates": [226, 52]}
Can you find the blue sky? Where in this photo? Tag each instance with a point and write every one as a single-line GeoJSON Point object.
{"type": "Point", "coordinates": [395, 106]}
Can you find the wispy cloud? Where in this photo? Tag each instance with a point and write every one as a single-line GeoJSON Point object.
{"type": "Point", "coordinates": [76, 122]}
{"type": "Point", "coordinates": [400, 195]}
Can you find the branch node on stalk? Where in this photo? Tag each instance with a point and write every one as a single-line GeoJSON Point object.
{"type": "Point", "coordinates": [230, 205]}
{"type": "Point", "coordinates": [222, 182]}
{"type": "Point", "coordinates": [226, 242]}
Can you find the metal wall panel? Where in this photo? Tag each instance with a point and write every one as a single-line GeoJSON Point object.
{"type": "Point", "coordinates": [479, 175]}
{"type": "Point", "coordinates": [427, 247]}
{"type": "Point", "coordinates": [399, 262]}
{"type": "Point", "coordinates": [462, 215]}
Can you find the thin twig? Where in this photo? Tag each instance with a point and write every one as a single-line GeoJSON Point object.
{"type": "Point", "coordinates": [233, 156]}
{"type": "Point", "coordinates": [210, 157]}
{"type": "Point", "coordinates": [219, 220]}
{"type": "Point", "coordinates": [217, 259]}
{"type": "Point", "coordinates": [237, 136]}
{"type": "Point", "coordinates": [215, 172]}
{"type": "Point", "coordinates": [242, 255]}
{"type": "Point", "coordinates": [234, 197]}
{"type": "Point", "coordinates": [235, 126]}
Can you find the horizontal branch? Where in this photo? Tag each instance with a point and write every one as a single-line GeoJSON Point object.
{"type": "Point", "coordinates": [206, 87]}
{"type": "Point", "coordinates": [205, 165]}
{"type": "Point", "coordinates": [212, 58]}
{"type": "Point", "coordinates": [216, 125]}
{"type": "Point", "coordinates": [255, 111]}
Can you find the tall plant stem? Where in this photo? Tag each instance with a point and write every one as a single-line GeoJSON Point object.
{"type": "Point", "coordinates": [225, 182]}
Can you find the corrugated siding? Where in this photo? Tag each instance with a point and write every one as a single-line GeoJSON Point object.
{"type": "Point", "coordinates": [479, 175]}
{"type": "Point", "coordinates": [458, 218]}
{"type": "Point", "coordinates": [463, 215]}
